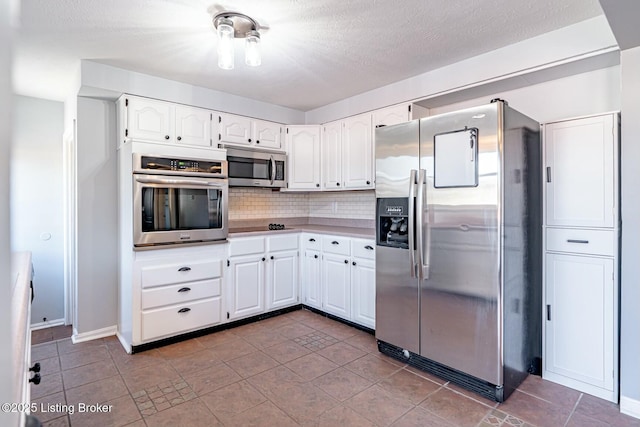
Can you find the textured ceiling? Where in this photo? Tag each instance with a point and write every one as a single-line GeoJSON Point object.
{"type": "Point", "coordinates": [315, 52]}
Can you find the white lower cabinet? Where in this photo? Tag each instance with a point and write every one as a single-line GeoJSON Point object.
{"type": "Point", "coordinates": [580, 343]}
{"type": "Point", "coordinates": [263, 274]}
{"type": "Point", "coordinates": [166, 292]}
{"type": "Point", "coordinates": [338, 276]}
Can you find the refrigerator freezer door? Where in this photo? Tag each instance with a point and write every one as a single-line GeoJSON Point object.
{"type": "Point", "coordinates": [460, 299]}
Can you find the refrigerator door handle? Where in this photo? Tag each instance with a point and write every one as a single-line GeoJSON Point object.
{"type": "Point", "coordinates": [423, 256]}
{"type": "Point", "coordinates": [412, 221]}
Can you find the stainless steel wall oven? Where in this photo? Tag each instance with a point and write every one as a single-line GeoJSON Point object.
{"type": "Point", "coordinates": [178, 200]}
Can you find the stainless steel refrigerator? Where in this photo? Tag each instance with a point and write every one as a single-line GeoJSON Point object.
{"type": "Point", "coordinates": [458, 261]}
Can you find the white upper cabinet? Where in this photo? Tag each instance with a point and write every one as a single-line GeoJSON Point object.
{"type": "Point", "coordinates": [244, 131]}
{"type": "Point", "coordinates": [580, 172]}
{"type": "Point", "coordinates": [267, 134]}
{"type": "Point", "coordinates": [347, 154]}
{"type": "Point", "coordinates": [235, 129]}
{"type": "Point", "coordinates": [332, 156]}
{"type": "Point", "coordinates": [158, 121]}
{"type": "Point", "coordinates": [357, 153]}
{"type": "Point", "coordinates": [396, 114]}
{"type": "Point", "coordinates": [193, 126]}
{"type": "Point", "coordinates": [303, 146]}
{"type": "Point", "coordinates": [149, 120]}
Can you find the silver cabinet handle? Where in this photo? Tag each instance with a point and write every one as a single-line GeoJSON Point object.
{"type": "Point", "coordinates": [577, 241]}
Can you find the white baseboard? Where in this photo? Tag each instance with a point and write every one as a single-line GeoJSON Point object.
{"type": "Point", "coordinates": [124, 343]}
{"type": "Point", "coordinates": [93, 335]}
{"type": "Point", "coordinates": [630, 406]}
{"type": "Point", "coordinates": [47, 324]}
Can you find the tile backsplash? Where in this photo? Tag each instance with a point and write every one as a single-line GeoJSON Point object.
{"type": "Point", "coordinates": [253, 203]}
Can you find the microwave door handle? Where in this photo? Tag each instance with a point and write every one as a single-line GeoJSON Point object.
{"type": "Point", "coordinates": [412, 221]}
{"type": "Point", "coordinates": [273, 169]}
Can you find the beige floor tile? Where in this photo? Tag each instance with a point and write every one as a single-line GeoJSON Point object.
{"type": "Point", "coordinates": [88, 373]}
{"type": "Point", "coordinates": [340, 416]}
{"type": "Point", "coordinates": [409, 386]}
{"type": "Point", "coordinates": [341, 383]}
{"type": "Point", "coordinates": [286, 351]}
{"type": "Point", "coordinates": [311, 366]}
{"type": "Point", "coordinates": [419, 417]}
{"type": "Point", "coordinates": [211, 379]}
{"type": "Point", "coordinates": [84, 357]}
{"type": "Point", "coordinates": [252, 364]}
{"type": "Point", "coordinates": [189, 414]}
{"type": "Point", "coordinates": [194, 362]}
{"type": "Point", "coordinates": [372, 367]}
{"type": "Point", "coordinates": [379, 406]}
{"type": "Point", "coordinates": [233, 349]}
{"type": "Point", "coordinates": [341, 353]}
{"type": "Point", "coordinates": [120, 412]}
{"type": "Point", "coordinates": [98, 391]}
{"type": "Point", "coordinates": [263, 415]}
{"type": "Point", "coordinates": [49, 384]}
{"type": "Point", "coordinates": [229, 401]}
{"type": "Point", "coordinates": [148, 376]}
{"type": "Point", "coordinates": [302, 402]}
{"type": "Point", "coordinates": [44, 351]}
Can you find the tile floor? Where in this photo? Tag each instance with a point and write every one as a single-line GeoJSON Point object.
{"type": "Point", "coordinates": [298, 369]}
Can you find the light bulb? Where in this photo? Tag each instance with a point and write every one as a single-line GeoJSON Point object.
{"type": "Point", "coordinates": [225, 44]}
{"type": "Point", "coordinates": [252, 49]}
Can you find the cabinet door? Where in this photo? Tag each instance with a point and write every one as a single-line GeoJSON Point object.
{"type": "Point", "coordinates": [363, 292]}
{"type": "Point", "coordinates": [336, 289]}
{"type": "Point", "coordinates": [235, 129]}
{"type": "Point", "coordinates": [332, 156]}
{"type": "Point", "coordinates": [193, 126]}
{"type": "Point", "coordinates": [579, 161]}
{"type": "Point", "coordinates": [303, 145]}
{"type": "Point", "coordinates": [357, 152]}
{"type": "Point", "coordinates": [391, 115]}
{"type": "Point", "coordinates": [266, 134]}
{"type": "Point", "coordinates": [282, 281]}
{"type": "Point", "coordinates": [150, 120]}
{"type": "Point", "coordinates": [311, 278]}
{"type": "Point", "coordinates": [246, 283]}
{"type": "Point", "coordinates": [579, 327]}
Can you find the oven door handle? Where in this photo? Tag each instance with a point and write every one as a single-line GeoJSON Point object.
{"type": "Point", "coordinates": [177, 181]}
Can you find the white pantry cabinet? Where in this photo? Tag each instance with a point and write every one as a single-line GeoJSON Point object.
{"type": "Point", "coordinates": [244, 131]}
{"type": "Point", "coordinates": [581, 254]}
{"type": "Point", "coordinates": [263, 274]}
{"type": "Point", "coordinates": [303, 148]}
{"type": "Point", "coordinates": [347, 154]}
{"type": "Point", "coordinates": [158, 121]}
{"type": "Point", "coordinates": [580, 172]}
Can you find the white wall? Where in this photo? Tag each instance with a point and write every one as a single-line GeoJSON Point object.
{"type": "Point", "coordinates": [99, 80]}
{"type": "Point", "coordinates": [580, 95]}
{"type": "Point", "coordinates": [97, 216]}
{"type": "Point", "coordinates": [630, 268]}
{"type": "Point", "coordinates": [36, 199]}
{"type": "Point", "coordinates": [582, 40]}
{"type": "Point", "coordinates": [7, 388]}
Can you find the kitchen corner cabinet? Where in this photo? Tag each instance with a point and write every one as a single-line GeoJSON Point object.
{"type": "Point", "coordinates": [347, 154]}
{"type": "Point", "coordinates": [303, 147]}
{"type": "Point", "coordinates": [165, 122]}
{"type": "Point", "coordinates": [581, 285]}
{"type": "Point", "coordinates": [396, 114]}
{"type": "Point", "coordinates": [263, 274]}
{"type": "Point", "coordinates": [244, 131]}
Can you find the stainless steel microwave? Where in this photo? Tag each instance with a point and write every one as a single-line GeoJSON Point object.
{"type": "Point", "coordinates": [251, 168]}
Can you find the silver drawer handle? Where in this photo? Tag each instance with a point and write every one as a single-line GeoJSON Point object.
{"type": "Point", "coordinates": [577, 241]}
{"type": "Point", "coordinates": [184, 269]}
{"type": "Point", "coordinates": [184, 310]}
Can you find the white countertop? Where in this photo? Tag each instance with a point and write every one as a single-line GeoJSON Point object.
{"type": "Point", "coordinates": [357, 232]}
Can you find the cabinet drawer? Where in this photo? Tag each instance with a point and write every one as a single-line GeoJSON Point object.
{"type": "Point", "coordinates": [179, 272]}
{"type": "Point", "coordinates": [363, 248]}
{"type": "Point", "coordinates": [336, 245]}
{"type": "Point", "coordinates": [311, 241]}
{"type": "Point", "coordinates": [180, 318]}
{"type": "Point", "coordinates": [593, 242]}
{"type": "Point", "coordinates": [180, 293]}
{"type": "Point", "coordinates": [248, 246]}
{"type": "Point", "coordinates": [283, 243]}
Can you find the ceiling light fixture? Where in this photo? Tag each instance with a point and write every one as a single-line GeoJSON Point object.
{"type": "Point", "coordinates": [232, 25]}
